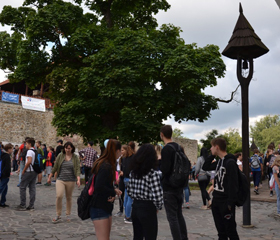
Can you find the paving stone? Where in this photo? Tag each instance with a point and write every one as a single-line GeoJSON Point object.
{"type": "Point", "coordinates": [37, 225]}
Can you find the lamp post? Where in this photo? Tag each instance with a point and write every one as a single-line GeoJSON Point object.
{"type": "Point", "coordinates": [244, 46]}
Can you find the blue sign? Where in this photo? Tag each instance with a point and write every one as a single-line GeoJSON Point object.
{"type": "Point", "coordinates": [9, 97]}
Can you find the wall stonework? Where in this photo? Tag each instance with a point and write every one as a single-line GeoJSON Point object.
{"type": "Point", "coordinates": [16, 123]}
{"type": "Point", "coordinates": [190, 147]}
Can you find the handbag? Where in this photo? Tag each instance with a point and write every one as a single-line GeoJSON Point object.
{"type": "Point", "coordinates": [202, 177]}
{"type": "Point", "coordinates": [85, 199]}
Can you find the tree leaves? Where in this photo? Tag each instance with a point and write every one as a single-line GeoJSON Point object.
{"type": "Point", "coordinates": [111, 72]}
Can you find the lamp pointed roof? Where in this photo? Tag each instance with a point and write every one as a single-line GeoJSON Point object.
{"type": "Point", "coordinates": [253, 146]}
{"type": "Point", "coordinates": [244, 42]}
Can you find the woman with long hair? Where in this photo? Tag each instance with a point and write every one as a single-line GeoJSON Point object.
{"type": "Point", "coordinates": [67, 165]}
{"type": "Point", "coordinates": [203, 178]}
{"type": "Point", "coordinates": [145, 189]}
{"type": "Point", "coordinates": [276, 174]}
{"type": "Point", "coordinates": [127, 155]}
{"type": "Point", "coordinates": [104, 193]}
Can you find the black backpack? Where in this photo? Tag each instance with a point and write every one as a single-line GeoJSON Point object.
{"type": "Point", "coordinates": [84, 200]}
{"type": "Point", "coordinates": [37, 163]}
{"type": "Point", "coordinates": [179, 177]}
{"type": "Point", "coordinates": [243, 188]}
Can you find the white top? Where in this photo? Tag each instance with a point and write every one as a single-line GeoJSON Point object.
{"type": "Point", "coordinates": [30, 153]}
{"type": "Point", "coordinates": [118, 164]}
{"type": "Point", "coordinates": [239, 162]}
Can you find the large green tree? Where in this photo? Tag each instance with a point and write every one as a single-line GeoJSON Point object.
{"type": "Point", "coordinates": [265, 131]}
{"type": "Point", "coordinates": [111, 71]}
{"type": "Point", "coordinates": [232, 137]}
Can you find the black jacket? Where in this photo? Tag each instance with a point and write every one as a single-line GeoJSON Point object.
{"type": "Point", "coordinates": [226, 178]}
{"type": "Point", "coordinates": [166, 167]}
{"type": "Point", "coordinates": [103, 189]}
{"type": "Point", "coordinates": [126, 166]}
{"type": "Point", "coordinates": [6, 165]}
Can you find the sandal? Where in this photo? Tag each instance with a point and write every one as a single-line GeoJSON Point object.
{"type": "Point", "coordinates": [68, 218]}
{"type": "Point", "coordinates": [56, 220]}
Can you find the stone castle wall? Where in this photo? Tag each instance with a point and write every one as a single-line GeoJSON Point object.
{"type": "Point", "coordinates": [190, 148]}
{"type": "Point", "coordinates": [16, 123]}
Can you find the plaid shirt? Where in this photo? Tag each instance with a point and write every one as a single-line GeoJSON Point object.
{"type": "Point", "coordinates": [90, 156]}
{"type": "Point", "coordinates": [146, 188]}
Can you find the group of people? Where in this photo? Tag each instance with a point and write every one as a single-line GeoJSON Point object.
{"type": "Point", "coordinates": [140, 179]}
{"type": "Point", "coordinates": [147, 188]}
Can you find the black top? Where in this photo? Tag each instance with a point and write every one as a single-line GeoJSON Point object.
{"type": "Point", "coordinates": [103, 189]}
{"type": "Point", "coordinates": [6, 165]}
{"type": "Point", "coordinates": [126, 166]}
{"type": "Point", "coordinates": [226, 178]}
{"type": "Point", "coordinates": [58, 150]}
{"type": "Point", "coordinates": [166, 167]}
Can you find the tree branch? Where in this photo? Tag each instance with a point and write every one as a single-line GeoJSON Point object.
{"type": "Point", "coordinates": [231, 98]}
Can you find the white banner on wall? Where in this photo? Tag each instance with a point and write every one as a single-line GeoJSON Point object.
{"type": "Point", "coordinates": [33, 104]}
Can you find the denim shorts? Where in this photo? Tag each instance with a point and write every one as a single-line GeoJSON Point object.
{"type": "Point", "coordinates": [98, 214]}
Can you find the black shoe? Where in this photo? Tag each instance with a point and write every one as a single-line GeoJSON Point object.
{"type": "Point", "coordinates": [4, 205]}
{"type": "Point", "coordinates": [38, 183]}
{"type": "Point", "coordinates": [271, 194]}
{"type": "Point", "coordinates": [30, 209]}
{"type": "Point", "coordinates": [21, 208]}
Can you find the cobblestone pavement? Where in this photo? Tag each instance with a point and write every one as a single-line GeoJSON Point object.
{"type": "Point", "coordinates": [38, 225]}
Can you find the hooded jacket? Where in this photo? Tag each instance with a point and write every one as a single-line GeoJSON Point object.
{"type": "Point", "coordinates": [226, 178]}
{"type": "Point", "coordinates": [6, 165]}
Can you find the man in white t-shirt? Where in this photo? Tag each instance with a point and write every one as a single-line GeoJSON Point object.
{"type": "Point", "coordinates": [28, 178]}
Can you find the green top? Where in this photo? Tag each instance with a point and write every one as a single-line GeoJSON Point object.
{"type": "Point", "coordinates": [59, 160]}
{"type": "Point", "coordinates": [40, 151]}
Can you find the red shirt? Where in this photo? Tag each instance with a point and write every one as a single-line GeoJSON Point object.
{"type": "Point", "coordinates": [21, 148]}
{"type": "Point", "coordinates": [48, 160]}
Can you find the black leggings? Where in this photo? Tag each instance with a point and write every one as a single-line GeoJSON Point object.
{"type": "Point", "coordinates": [144, 220]}
{"type": "Point", "coordinates": [121, 198]}
{"type": "Point", "coordinates": [204, 194]}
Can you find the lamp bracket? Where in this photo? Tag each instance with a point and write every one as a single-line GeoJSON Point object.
{"type": "Point", "coordinates": [244, 80]}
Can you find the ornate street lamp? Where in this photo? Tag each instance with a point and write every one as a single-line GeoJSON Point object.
{"type": "Point", "coordinates": [244, 46]}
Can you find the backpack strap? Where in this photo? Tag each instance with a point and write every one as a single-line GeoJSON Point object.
{"type": "Point", "coordinates": [173, 147]}
{"type": "Point", "coordinates": [34, 159]}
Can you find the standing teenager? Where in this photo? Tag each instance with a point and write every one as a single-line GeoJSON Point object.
{"type": "Point", "coordinates": [5, 172]}
{"type": "Point", "coordinates": [276, 174]}
{"type": "Point", "coordinates": [225, 189]}
{"type": "Point", "coordinates": [145, 189]}
{"type": "Point", "coordinates": [203, 178]}
{"type": "Point", "coordinates": [67, 166]}
{"type": "Point", "coordinates": [127, 158]}
{"type": "Point", "coordinates": [104, 193]}
{"type": "Point", "coordinates": [172, 196]}
{"type": "Point", "coordinates": [28, 177]}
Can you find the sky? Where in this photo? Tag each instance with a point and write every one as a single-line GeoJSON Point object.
{"type": "Point", "coordinates": [212, 22]}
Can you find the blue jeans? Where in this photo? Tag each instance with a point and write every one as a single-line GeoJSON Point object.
{"type": "Point", "coordinates": [127, 200]}
{"type": "Point", "coordinates": [3, 189]}
{"type": "Point", "coordinates": [187, 194]}
{"type": "Point", "coordinates": [278, 197]}
{"type": "Point", "coordinates": [22, 164]}
{"type": "Point", "coordinates": [257, 177]}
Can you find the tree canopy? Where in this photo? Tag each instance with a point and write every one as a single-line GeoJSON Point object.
{"type": "Point", "coordinates": [110, 69]}
{"type": "Point", "coordinates": [232, 137]}
{"type": "Point", "coordinates": [177, 133]}
{"type": "Point", "coordinates": [265, 131]}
